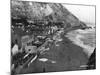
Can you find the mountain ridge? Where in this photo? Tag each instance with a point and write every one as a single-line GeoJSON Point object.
{"type": "Point", "coordinates": [43, 11]}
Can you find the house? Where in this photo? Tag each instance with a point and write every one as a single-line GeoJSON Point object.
{"type": "Point", "coordinates": [27, 44]}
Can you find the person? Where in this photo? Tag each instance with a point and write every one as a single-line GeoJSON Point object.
{"type": "Point", "coordinates": [15, 48]}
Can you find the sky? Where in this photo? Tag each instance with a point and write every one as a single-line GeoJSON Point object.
{"type": "Point", "coordinates": [84, 13]}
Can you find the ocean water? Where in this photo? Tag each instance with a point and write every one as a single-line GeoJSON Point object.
{"type": "Point", "coordinates": [88, 35]}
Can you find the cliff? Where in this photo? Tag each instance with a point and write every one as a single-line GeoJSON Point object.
{"type": "Point", "coordinates": [43, 11]}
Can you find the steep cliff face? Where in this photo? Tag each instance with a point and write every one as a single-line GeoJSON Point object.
{"type": "Point", "coordinates": [43, 11]}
